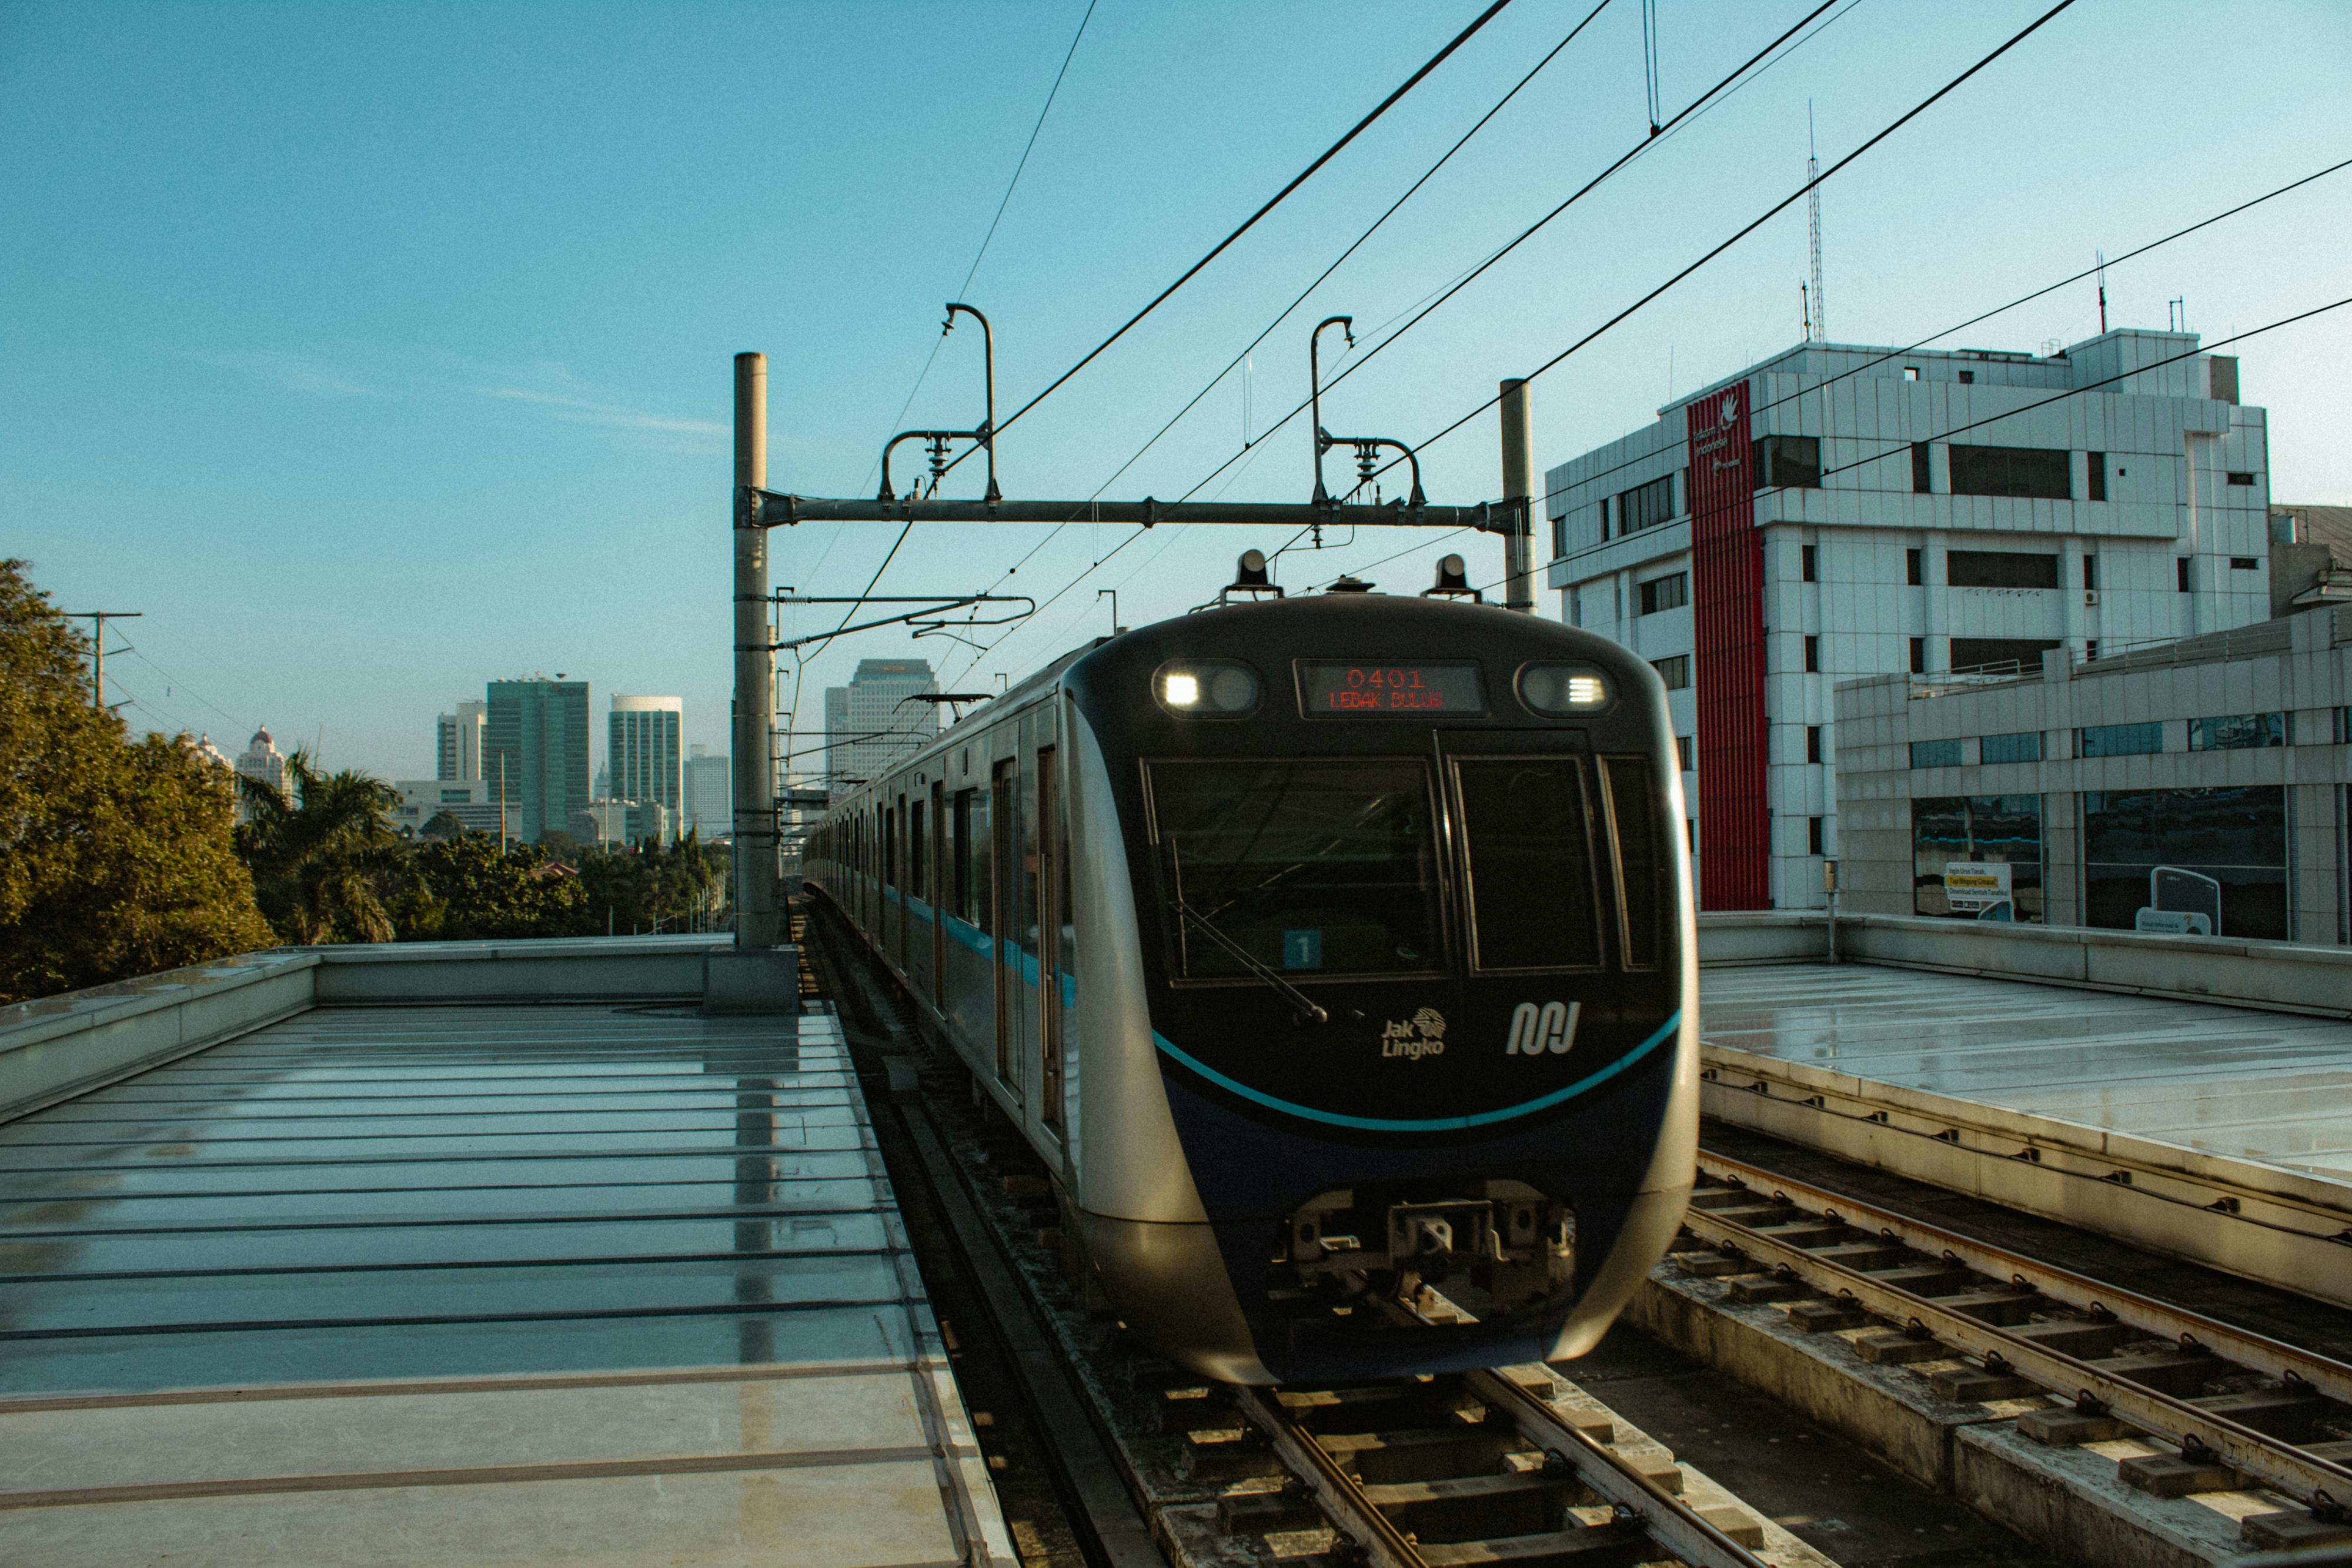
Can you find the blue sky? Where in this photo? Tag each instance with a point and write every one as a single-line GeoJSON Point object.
{"type": "Point", "coordinates": [377, 351]}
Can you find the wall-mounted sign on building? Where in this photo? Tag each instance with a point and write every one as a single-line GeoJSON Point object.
{"type": "Point", "coordinates": [1971, 887]}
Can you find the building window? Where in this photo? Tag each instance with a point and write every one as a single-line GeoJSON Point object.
{"type": "Point", "coordinates": [2090, 571]}
{"type": "Point", "coordinates": [1812, 743]}
{"type": "Point", "coordinates": [1605, 518]}
{"type": "Point", "coordinates": [1811, 562]}
{"type": "Point", "coordinates": [1919, 485]}
{"type": "Point", "coordinates": [1967, 377]}
{"type": "Point", "coordinates": [1675, 672]}
{"type": "Point", "coordinates": [2244, 563]}
{"type": "Point", "coordinates": [2094, 476]}
{"type": "Point", "coordinates": [2000, 655]}
{"type": "Point", "coordinates": [1683, 752]}
{"type": "Point", "coordinates": [1789, 463]}
{"type": "Point", "coordinates": [2237, 732]}
{"type": "Point", "coordinates": [2037, 472]}
{"type": "Point", "coordinates": [1915, 567]}
{"type": "Point", "coordinates": [1558, 537]}
{"type": "Point", "coordinates": [1965, 847]}
{"type": "Point", "coordinates": [2022, 746]}
{"type": "Point", "coordinates": [2180, 572]}
{"type": "Point", "coordinates": [2239, 476]}
{"type": "Point", "coordinates": [2119, 739]}
{"type": "Point", "coordinates": [1814, 837]}
{"type": "Point", "coordinates": [1813, 655]}
{"type": "Point", "coordinates": [1918, 655]}
{"type": "Point", "coordinates": [1935, 753]}
{"type": "Point", "coordinates": [1645, 506]}
{"type": "Point", "coordinates": [2000, 569]}
{"type": "Point", "coordinates": [1669, 592]}
{"type": "Point", "coordinates": [2090, 649]}
{"type": "Point", "coordinates": [2218, 856]}
{"type": "Point", "coordinates": [1910, 372]}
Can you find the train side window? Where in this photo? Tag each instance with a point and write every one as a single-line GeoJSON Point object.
{"type": "Point", "coordinates": [959, 889]}
{"type": "Point", "coordinates": [1634, 830]}
{"type": "Point", "coordinates": [1527, 833]}
{"type": "Point", "coordinates": [918, 856]}
{"type": "Point", "coordinates": [890, 846]}
{"type": "Point", "coordinates": [980, 865]}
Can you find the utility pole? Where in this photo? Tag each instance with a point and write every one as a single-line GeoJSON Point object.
{"type": "Point", "coordinates": [98, 618]}
{"type": "Point", "coordinates": [755, 675]}
{"type": "Point", "coordinates": [1519, 589]}
{"type": "Point", "coordinates": [502, 805]}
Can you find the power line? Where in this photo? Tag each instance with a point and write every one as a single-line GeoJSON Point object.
{"type": "Point", "coordinates": [964, 290]}
{"type": "Point", "coordinates": [1283, 314]}
{"type": "Point", "coordinates": [1905, 119]}
{"type": "Point", "coordinates": [1696, 107]}
{"type": "Point", "coordinates": [1903, 443]}
{"type": "Point", "coordinates": [1249, 223]}
{"type": "Point", "coordinates": [1531, 231]}
{"type": "Point", "coordinates": [2027, 298]}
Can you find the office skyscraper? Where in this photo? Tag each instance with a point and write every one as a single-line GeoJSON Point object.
{"type": "Point", "coordinates": [709, 794]}
{"type": "Point", "coordinates": [642, 750]}
{"type": "Point", "coordinates": [458, 742]}
{"type": "Point", "coordinates": [539, 729]}
{"type": "Point", "coordinates": [870, 724]}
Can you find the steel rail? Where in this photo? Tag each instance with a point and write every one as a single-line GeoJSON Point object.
{"type": "Point", "coordinates": [2306, 1478]}
{"type": "Point", "coordinates": [1677, 1524]}
{"type": "Point", "coordinates": [1342, 1502]}
{"type": "Point", "coordinates": [2164, 1320]}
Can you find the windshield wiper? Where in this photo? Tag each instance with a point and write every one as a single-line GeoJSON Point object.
{"type": "Point", "coordinates": [1303, 1007]}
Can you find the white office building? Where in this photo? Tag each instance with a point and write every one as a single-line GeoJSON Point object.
{"type": "Point", "coordinates": [643, 753]}
{"type": "Point", "coordinates": [472, 802]}
{"type": "Point", "coordinates": [457, 741]}
{"type": "Point", "coordinates": [709, 794]}
{"type": "Point", "coordinates": [878, 717]}
{"type": "Point", "coordinates": [1839, 511]}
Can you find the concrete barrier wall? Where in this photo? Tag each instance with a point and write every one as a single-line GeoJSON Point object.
{"type": "Point", "coordinates": [2277, 974]}
{"type": "Point", "coordinates": [58, 1047]}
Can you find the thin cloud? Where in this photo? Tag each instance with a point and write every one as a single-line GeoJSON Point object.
{"type": "Point", "coordinates": [295, 372]}
{"type": "Point", "coordinates": [591, 411]}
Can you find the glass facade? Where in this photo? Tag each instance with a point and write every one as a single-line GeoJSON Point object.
{"type": "Point", "coordinates": [2235, 837]}
{"type": "Point", "coordinates": [1985, 829]}
{"type": "Point", "coordinates": [2234, 732]}
{"type": "Point", "coordinates": [2120, 739]}
{"type": "Point", "coordinates": [2024, 747]}
{"type": "Point", "coordinates": [1935, 753]}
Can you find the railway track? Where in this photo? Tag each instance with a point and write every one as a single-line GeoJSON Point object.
{"type": "Point", "coordinates": [2186, 1403]}
{"type": "Point", "coordinates": [1509, 1466]}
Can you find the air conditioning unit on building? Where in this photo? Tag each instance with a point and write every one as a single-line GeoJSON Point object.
{"type": "Point", "coordinates": [2090, 596]}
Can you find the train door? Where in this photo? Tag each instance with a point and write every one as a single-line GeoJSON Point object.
{"type": "Point", "coordinates": [1050, 849]}
{"type": "Point", "coordinates": [937, 890]}
{"type": "Point", "coordinates": [1004, 823]}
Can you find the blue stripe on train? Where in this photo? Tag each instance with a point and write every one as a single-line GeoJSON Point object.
{"type": "Point", "coordinates": [1431, 1123]}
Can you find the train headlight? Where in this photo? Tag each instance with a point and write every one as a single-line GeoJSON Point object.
{"type": "Point", "coordinates": [1206, 688]}
{"type": "Point", "coordinates": [1564, 691]}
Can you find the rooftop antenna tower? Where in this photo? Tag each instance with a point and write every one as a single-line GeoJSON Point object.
{"type": "Point", "coordinates": [2103, 291]}
{"type": "Point", "coordinates": [1817, 320]}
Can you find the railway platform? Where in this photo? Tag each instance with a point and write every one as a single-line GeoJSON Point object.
{"type": "Point", "coordinates": [443, 1280]}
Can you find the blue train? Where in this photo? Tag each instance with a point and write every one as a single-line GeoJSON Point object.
{"type": "Point", "coordinates": [1334, 953]}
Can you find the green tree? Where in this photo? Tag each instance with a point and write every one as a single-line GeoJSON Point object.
{"type": "Point", "coordinates": [463, 888]}
{"type": "Point", "coordinates": [443, 825]}
{"type": "Point", "coordinates": [115, 854]}
{"type": "Point", "coordinates": [651, 887]}
{"type": "Point", "coordinates": [324, 857]}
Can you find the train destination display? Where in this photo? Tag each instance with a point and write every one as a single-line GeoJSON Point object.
{"type": "Point", "coordinates": [1337, 688]}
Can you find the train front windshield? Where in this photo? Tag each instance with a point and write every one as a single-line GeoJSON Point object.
{"type": "Point", "coordinates": [1312, 869]}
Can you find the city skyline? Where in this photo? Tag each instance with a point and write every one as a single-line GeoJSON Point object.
{"type": "Point", "coordinates": [507, 392]}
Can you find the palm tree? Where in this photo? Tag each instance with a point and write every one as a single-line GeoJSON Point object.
{"type": "Point", "coordinates": [320, 851]}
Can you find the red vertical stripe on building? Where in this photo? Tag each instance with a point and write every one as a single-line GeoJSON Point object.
{"type": "Point", "coordinates": [1728, 616]}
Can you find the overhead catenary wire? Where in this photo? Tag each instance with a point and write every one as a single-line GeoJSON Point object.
{"type": "Point", "coordinates": [1899, 445]}
{"type": "Point", "coordinates": [1880, 358]}
{"type": "Point", "coordinates": [1696, 107]}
